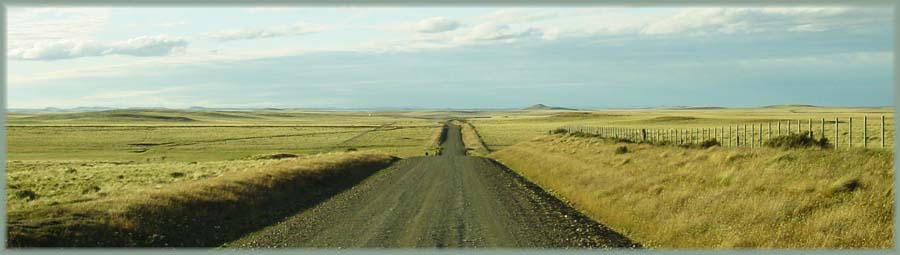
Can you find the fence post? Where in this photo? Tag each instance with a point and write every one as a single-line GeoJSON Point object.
{"type": "Point", "coordinates": [697, 135]}
{"type": "Point", "coordinates": [823, 127]}
{"type": "Point", "coordinates": [882, 131]}
{"type": "Point", "coordinates": [752, 135]}
{"type": "Point", "coordinates": [809, 127]}
{"type": "Point", "coordinates": [865, 131]}
{"type": "Point", "coordinates": [836, 136]}
{"type": "Point", "coordinates": [718, 138]}
{"type": "Point", "coordinates": [769, 130]}
{"type": "Point", "coordinates": [799, 128]}
{"type": "Point", "coordinates": [788, 124]}
{"type": "Point", "coordinates": [745, 134]}
{"type": "Point", "coordinates": [779, 127]}
{"type": "Point", "coordinates": [850, 133]}
{"type": "Point", "coordinates": [760, 135]}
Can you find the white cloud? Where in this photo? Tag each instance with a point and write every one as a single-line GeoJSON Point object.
{"type": "Point", "coordinates": [436, 25]}
{"type": "Point", "coordinates": [27, 26]}
{"type": "Point", "coordinates": [705, 21]}
{"type": "Point", "coordinates": [296, 29]}
{"type": "Point", "coordinates": [142, 46]}
{"type": "Point", "coordinates": [496, 32]}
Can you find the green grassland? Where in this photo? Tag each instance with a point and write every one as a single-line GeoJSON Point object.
{"type": "Point", "coordinates": [63, 158]}
{"type": "Point", "coordinates": [209, 136]}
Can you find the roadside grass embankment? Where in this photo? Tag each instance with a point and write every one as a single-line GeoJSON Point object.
{"type": "Point", "coordinates": [472, 140]}
{"type": "Point", "coordinates": [433, 147]}
{"type": "Point", "coordinates": [200, 213]}
{"type": "Point", "coordinates": [674, 197]}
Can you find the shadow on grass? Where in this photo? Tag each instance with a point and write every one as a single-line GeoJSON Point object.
{"type": "Point", "coordinates": [185, 219]}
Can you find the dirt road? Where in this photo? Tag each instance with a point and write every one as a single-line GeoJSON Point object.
{"type": "Point", "coordinates": [452, 200]}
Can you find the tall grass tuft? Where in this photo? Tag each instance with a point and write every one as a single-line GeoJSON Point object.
{"type": "Point", "coordinates": [793, 141]}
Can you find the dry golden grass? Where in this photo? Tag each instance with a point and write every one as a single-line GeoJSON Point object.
{"type": "Point", "coordinates": [197, 213]}
{"type": "Point", "coordinates": [472, 140]}
{"type": "Point", "coordinates": [665, 196]}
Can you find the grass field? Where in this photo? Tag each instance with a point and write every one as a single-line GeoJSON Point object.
{"type": "Point", "coordinates": [655, 194]}
{"type": "Point", "coordinates": [667, 196]}
{"type": "Point", "coordinates": [503, 129]}
{"type": "Point", "coordinates": [64, 158]}
{"type": "Point", "coordinates": [199, 212]}
{"type": "Point", "coordinates": [210, 136]}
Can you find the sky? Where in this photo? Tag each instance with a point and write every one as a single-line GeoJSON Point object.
{"type": "Point", "coordinates": [441, 57]}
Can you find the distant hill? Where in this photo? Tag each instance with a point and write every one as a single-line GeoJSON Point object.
{"type": "Point", "coordinates": [789, 106]}
{"type": "Point", "coordinates": [695, 108]}
{"type": "Point", "coordinates": [545, 107]}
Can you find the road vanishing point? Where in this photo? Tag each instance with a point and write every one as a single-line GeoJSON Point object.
{"type": "Point", "coordinates": [447, 201]}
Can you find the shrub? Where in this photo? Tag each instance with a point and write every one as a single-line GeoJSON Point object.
{"type": "Point", "coordinates": [272, 156]}
{"type": "Point", "coordinates": [621, 150]}
{"type": "Point", "coordinates": [559, 131]}
{"type": "Point", "coordinates": [26, 194]}
{"type": "Point", "coordinates": [797, 141]}
{"type": "Point", "coordinates": [710, 143]}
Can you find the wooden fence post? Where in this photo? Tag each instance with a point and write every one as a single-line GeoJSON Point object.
{"type": "Point", "coordinates": [779, 127]}
{"type": "Point", "coordinates": [823, 127]}
{"type": "Point", "coordinates": [850, 133]}
{"type": "Point", "coordinates": [760, 135]}
{"type": "Point", "coordinates": [788, 124]}
{"type": "Point", "coordinates": [718, 138]}
{"type": "Point", "coordinates": [749, 138]}
{"type": "Point", "coordinates": [865, 131]}
{"type": "Point", "coordinates": [745, 134]}
{"type": "Point", "coordinates": [679, 135]}
{"type": "Point", "coordinates": [836, 135]}
{"type": "Point", "coordinates": [799, 129]}
{"type": "Point", "coordinates": [809, 127]}
{"type": "Point", "coordinates": [769, 130]}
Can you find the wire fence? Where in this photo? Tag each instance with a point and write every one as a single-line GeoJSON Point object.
{"type": "Point", "coordinates": [839, 132]}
